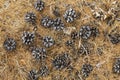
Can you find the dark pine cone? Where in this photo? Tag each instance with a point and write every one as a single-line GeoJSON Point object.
{"type": "Point", "coordinates": [74, 35]}
{"type": "Point", "coordinates": [33, 75]}
{"type": "Point", "coordinates": [30, 17]}
{"type": "Point", "coordinates": [9, 44]}
{"type": "Point", "coordinates": [86, 70]}
{"type": "Point", "coordinates": [114, 38]}
{"type": "Point", "coordinates": [48, 41]}
{"type": "Point", "coordinates": [28, 37]}
{"type": "Point", "coordinates": [44, 71]}
{"type": "Point", "coordinates": [61, 61]}
{"type": "Point", "coordinates": [39, 5]}
{"type": "Point", "coordinates": [58, 24]}
{"type": "Point", "coordinates": [70, 15]}
{"type": "Point", "coordinates": [85, 32]}
{"type": "Point", "coordinates": [46, 22]}
{"type": "Point", "coordinates": [39, 53]}
{"type": "Point", "coordinates": [69, 43]}
{"type": "Point", "coordinates": [116, 66]}
{"type": "Point", "coordinates": [95, 31]}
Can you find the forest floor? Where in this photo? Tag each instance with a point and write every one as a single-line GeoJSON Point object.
{"type": "Point", "coordinates": [16, 65]}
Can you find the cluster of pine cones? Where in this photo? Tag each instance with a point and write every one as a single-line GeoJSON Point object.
{"type": "Point", "coordinates": [63, 60]}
